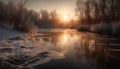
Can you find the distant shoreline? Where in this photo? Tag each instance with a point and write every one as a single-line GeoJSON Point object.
{"type": "Point", "coordinates": [105, 29]}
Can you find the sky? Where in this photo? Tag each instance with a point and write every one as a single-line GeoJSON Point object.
{"type": "Point", "coordinates": [63, 7]}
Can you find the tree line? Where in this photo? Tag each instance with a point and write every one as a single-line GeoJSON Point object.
{"type": "Point", "coordinates": [98, 11]}
{"type": "Point", "coordinates": [52, 19]}
{"type": "Point", "coordinates": [49, 19]}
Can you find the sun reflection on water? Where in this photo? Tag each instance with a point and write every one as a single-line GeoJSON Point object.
{"type": "Point", "coordinates": [65, 37]}
{"type": "Point", "coordinates": [68, 43]}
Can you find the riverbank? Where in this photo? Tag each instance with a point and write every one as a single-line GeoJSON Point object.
{"type": "Point", "coordinates": [109, 29]}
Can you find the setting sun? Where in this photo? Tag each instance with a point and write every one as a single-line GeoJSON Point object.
{"type": "Point", "coordinates": [65, 17]}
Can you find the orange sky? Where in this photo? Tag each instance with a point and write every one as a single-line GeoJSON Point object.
{"type": "Point", "coordinates": [63, 7]}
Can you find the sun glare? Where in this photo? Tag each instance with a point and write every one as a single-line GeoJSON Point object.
{"type": "Point", "coordinates": [65, 17]}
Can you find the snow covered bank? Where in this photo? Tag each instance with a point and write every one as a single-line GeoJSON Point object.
{"type": "Point", "coordinates": [8, 33]}
{"type": "Point", "coordinates": [25, 51]}
{"type": "Point", "coordinates": [113, 29]}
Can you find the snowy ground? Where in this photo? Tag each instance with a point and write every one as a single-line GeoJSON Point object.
{"type": "Point", "coordinates": [20, 50]}
{"type": "Point", "coordinates": [8, 33]}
